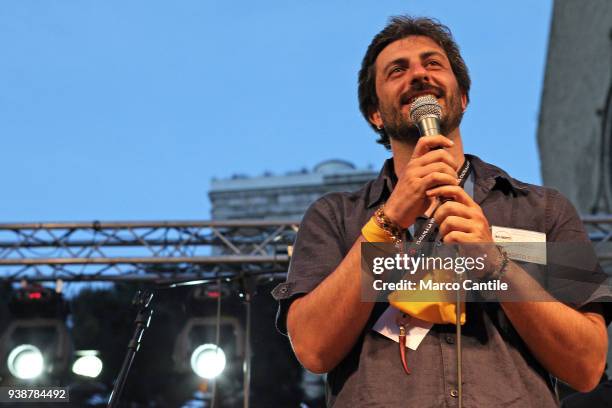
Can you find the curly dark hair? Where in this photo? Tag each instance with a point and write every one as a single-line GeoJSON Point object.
{"type": "Point", "coordinates": [401, 27]}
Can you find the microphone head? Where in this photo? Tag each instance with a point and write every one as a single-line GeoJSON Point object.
{"type": "Point", "coordinates": [425, 106]}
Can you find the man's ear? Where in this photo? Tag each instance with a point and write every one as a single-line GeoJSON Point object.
{"type": "Point", "coordinates": [464, 102]}
{"type": "Point", "coordinates": [376, 119]}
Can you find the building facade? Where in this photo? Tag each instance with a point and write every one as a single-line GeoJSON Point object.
{"type": "Point", "coordinates": [284, 196]}
{"type": "Point", "coordinates": [575, 122]}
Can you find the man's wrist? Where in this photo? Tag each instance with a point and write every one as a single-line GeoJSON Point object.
{"type": "Point", "coordinates": [372, 232]}
{"type": "Point", "coordinates": [393, 229]}
{"type": "Point", "coordinates": [499, 268]}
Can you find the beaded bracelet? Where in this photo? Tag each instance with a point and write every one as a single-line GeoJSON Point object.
{"type": "Point", "coordinates": [394, 231]}
{"type": "Point", "coordinates": [501, 271]}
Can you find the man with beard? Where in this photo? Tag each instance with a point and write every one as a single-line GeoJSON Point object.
{"type": "Point", "coordinates": [510, 349]}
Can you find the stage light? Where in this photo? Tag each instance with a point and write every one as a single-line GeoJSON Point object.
{"type": "Point", "coordinates": [35, 344]}
{"type": "Point", "coordinates": [35, 349]}
{"type": "Point", "coordinates": [196, 350]}
{"type": "Point", "coordinates": [25, 362]}
{"type": "Point", "coordinates": [208, 361]}
{"type": "Point", "coordinates": [88, 364]}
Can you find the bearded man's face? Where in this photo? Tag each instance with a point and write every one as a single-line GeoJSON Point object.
{"type": "Point", "coordinates": [409, 68]}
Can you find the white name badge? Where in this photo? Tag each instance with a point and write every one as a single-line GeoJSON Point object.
{"type": "Point", "coordinates": [416, 329]}
{"type": "Point", "coordinates": [516, 243]}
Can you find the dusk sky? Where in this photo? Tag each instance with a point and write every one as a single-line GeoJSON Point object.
{"type": "Point", "coordinates": [122, 110]}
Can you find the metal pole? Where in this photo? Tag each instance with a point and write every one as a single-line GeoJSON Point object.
{"type": "Point", "coordinates": [247, 353]}
{"type": "Point", "coordinates": [217, 340]}
{"type": "Point", "coordinates": [458, 347]}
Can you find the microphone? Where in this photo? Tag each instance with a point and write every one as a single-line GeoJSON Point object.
{"type": "Point", "coordinates": [425, 112]}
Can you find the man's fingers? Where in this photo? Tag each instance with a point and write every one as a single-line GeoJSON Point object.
{"type": "Point", "coordinates": [457, 217]}
{"type": "Point", "coordinates": [439, 155]}
{"type": "Point", "coordinates": [436, 179]}
{"type": "Point", "coordinates": [455, 223]}
{"type": "Point", "coordinates": [453, 208]}
{"type": "Point", "coordinates": [458, 237]}
{"type": "Point", "coordinates": [438, 167]}
{"type": "Point", "coordinates": [453, 192]}
{"type": "Point", "coordinates": [427, 143]}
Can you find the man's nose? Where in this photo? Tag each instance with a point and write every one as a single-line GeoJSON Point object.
{"type": "Point", "coordinates": [419, 74]}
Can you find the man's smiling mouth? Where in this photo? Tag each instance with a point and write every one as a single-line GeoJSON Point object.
{"type": "Point", "coordinates": [408, 98]}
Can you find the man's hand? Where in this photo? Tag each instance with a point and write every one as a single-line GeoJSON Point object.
{"type": "Point", "coordinates": [427, 168]}
{"type": "Point", "coordinates": [460, 220]}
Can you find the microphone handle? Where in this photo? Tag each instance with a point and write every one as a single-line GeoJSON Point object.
{"type": "Point", "coordinates": [429, 126]}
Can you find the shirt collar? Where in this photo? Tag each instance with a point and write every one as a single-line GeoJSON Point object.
{"type": "Point", "coordinates": [489, 177]}
{"type": "Point", "coordinates": [382, 185]}
{"type": "Point", "coordinates": [486, 178]}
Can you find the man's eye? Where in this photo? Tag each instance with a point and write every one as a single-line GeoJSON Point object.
{"type": "Point", "coordinates": [395, 70]}
{"type": "Point", "coordinates": [433, 63]}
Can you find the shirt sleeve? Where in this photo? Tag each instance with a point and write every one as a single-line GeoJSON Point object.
{"type": "Point", "coordinates": [567, 227]}
{"type": "Point", "coordinates": [318, 250]}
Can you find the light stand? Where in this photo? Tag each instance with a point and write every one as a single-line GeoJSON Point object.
{"type": "Point", "coordinates": [142, 300]}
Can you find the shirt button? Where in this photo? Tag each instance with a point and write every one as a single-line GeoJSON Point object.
{"type": "Point", "coordinates": [283, 290]}
{"type": "Point", "coordinates": [454, 393]}
{"type": "Point", "coordinates": [450, 339]}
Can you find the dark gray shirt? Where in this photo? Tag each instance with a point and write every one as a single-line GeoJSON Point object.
{"type": "Point", "coordinates": [498, 370]}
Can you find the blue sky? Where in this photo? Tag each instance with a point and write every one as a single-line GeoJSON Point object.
{"type": "Point", "coordinates": [122, 110]}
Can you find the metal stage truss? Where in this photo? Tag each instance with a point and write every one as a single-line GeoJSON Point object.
{"type": "Point", "coordinates": [154, 251]}
{"type": "Point", "coordinates": [161, 251]}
